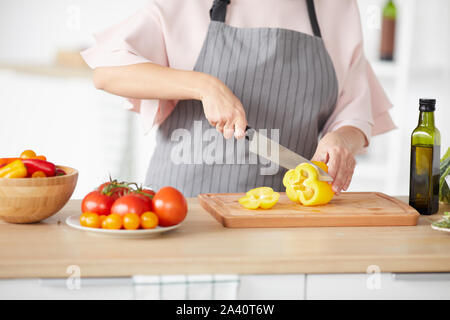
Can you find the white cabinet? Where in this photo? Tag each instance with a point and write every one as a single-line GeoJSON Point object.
{"type": "Point", "coordinates": [54, 289]}
{"type": "Point", "coordinates": [187, 287]}
{"type": "Point", "coordinates": [378, 286]}
{"type": "Point", "coordinates": [272, 287]}
{"type": "Point", "coordinates": [231, 287]}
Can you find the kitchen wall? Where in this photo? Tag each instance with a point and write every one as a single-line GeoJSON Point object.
{"type": "Point", "coordinates": [63, 116]}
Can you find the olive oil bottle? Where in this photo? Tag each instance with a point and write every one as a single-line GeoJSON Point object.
{"type": "Point", "coordinates": [425, 155]}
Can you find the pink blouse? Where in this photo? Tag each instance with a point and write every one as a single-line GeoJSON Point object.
{"type": "Point", "coordinates": [171, 33]}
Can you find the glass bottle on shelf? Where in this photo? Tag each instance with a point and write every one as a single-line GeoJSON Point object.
{"type": "Point", "coordinates": [388, 31]}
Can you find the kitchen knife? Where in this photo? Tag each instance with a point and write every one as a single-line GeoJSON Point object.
{"type": "Point", "coordinates": [286, 158]}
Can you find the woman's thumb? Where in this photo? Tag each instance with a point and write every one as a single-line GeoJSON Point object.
{"type": "Point", "coordinates": [321, 156]}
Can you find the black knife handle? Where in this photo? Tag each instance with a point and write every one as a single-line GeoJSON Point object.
{"type": "Point", "coordinates": [248, 133]}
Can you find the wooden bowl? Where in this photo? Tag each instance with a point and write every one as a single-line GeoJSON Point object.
{"type": "Point", "coordinates": [29, 200]}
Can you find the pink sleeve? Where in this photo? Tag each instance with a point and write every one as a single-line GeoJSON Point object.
{"type": "Point", "coordinates": [138, 39]}
{"type": "Point", "coordinates": [361, 101]}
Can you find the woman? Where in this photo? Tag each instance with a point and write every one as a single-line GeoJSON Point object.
{"type": "Point", "coordinates": [293, 67]}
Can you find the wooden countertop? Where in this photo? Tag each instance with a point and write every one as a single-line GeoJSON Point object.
{"type": "Point", "coordinates": [201, 245]}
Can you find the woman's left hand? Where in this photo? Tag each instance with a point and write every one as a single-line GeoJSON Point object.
{"type": "Point", "coordinates": [337, 150]}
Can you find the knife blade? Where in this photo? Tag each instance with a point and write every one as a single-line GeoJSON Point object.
{"type": "Point", "coordinates": [284, 157]}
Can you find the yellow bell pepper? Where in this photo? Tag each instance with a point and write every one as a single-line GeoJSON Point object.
{"type": "Point", "coordinates": [263, 197]}
{"type": "Point", "coordinates": [15, 169]}
{"type": "Point", "coordinates": [304, 187]}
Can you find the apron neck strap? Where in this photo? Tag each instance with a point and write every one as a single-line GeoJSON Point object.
{"type": "Point", "coordinates": [313, 18]}
{"type": "Point", "coordinates": [218, 12]}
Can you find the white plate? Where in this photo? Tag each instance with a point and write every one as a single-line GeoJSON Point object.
{"type": "Point", "coordinates": [74, 222]}
{"type": "Point", "coordinates": [441, 229]}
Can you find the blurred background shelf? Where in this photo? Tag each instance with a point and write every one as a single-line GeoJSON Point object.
{"type": "Point", "coordinates": [50, 70]}
{"type": "Point", "coordinates": [385, 69]}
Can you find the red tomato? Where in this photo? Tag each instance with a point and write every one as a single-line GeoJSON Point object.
{"type": "Point", "coordinates": [97, 202]}
{"type": "Point", "coordinates": [115, 192]}
{"type": "Point", "coordinates": [131, 203]}
{"type": "Point", "coordinates": [148, 191]}
{"type": "Point", "coordinates": [170, 206]}
{"type": "Point", "coordinates": [146, 194]}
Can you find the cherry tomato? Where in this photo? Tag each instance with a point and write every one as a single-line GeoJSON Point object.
{"type": "Point", "coordinates": [83, 218]}
{"type": "Point", "coordinates": [38, 174]}
{"type": "Point", "coordinates": [131, 221]}
{"type": "Point", "coordinates": [112, 222]}
{"type": "Point", "coordinates": [115, 192]}
{"type": "Point", "coordinates": [27, 154]}
{"type": "Point", "coordinates": [130, 203]}
{"type": "Point", "coordinates": [149, 220]}
{"type": "Point", "coordinates": [102, 218]}
{"type": "Point", "coordinates": [170, 206]}
{"type": "Point", "coordinates": [90, 220]}
{"type": "Point", "coordinates": [97, 202]}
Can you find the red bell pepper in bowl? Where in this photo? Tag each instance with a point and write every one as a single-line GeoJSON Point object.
{"type": "Point", "coordinates": [34, 165]}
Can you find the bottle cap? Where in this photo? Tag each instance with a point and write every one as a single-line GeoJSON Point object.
{"type": "Point", "coordinates": [427, 105]}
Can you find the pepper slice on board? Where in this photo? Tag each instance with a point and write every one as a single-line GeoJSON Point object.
{"type": "Point", "coordinates": [262, 197]}
{"type": "Point", "coordinates": [303, 185]}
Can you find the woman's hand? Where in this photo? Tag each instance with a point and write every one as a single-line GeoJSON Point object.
{"type": "Point", "coordinates": [222, 108]}
{"type": "Point", "coordinates": [337, 149]}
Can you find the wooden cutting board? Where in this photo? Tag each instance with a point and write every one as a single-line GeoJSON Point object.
{"type": "Point", "coordinates": [350, 209]}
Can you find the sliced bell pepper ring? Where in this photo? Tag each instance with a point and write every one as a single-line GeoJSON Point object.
{"type": "Point", "coordinates": [15, 169]}
{"type": "Point", "coordinates": [263, 197]}
{"type": "Point", "coordinates": [304, 187]}
{"type": "Point", "coordinates": [34, 165]}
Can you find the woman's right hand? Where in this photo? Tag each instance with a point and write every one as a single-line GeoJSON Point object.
{"type": "Point", "coordinates": [222, 108]}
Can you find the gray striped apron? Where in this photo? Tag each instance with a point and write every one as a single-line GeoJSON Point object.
{"type": "Point", "coordinates": [285, 80]}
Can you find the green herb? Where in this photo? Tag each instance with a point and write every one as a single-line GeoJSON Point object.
{"type": "Point", "coordinates": [445, 223]}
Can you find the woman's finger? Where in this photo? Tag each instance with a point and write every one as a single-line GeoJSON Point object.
{"type": "Point", "coordinates": [239, 126]}
{"type": "Point", "coordinates": [339, 170]}
{"type": "Point", "coordinates": [350, 176]}
{"type": "Point", "coordinates": [321, 156]}
{"type": "Point", "coordinates": [347, 167]}
{"type": "Point", "coordinates": [333, 163]}
{"type": "Point", "coordinates": [347, 183]}
{"type": "Point", "coordinates": [351, 169]}
{"type": "Point", "coordinates": [219, 126]}
{"type": "Point", "coordinates": [228, 130]}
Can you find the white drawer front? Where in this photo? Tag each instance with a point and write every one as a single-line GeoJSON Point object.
{"type": "Point", "coordinates": [276, 287]}
{"type": "Point", "coordinates": [378, 286]}
{"type": "Point", "coordinates": [43, 289]}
